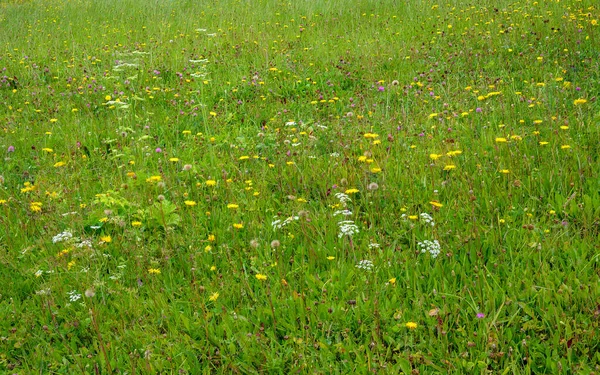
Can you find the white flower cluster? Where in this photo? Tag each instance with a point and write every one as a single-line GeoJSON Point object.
{"type": "Point", "coordinates": [347, 228]}
{"type": "Point", "coordinates": [343, 212]}
{"type": "Point", "coordinates": [74, 296]}
{"type": "Point", "coordinates": [343, 198]}
{"type": "Point", "coordinates": [278, 223]}
{"type": "Point", "coordinates": [364, 264]}
{"type": "Point", "coordinates": [431, 247]}
{"type": "Point", "coordinates": [84, 243]}
{"type": "Point", "coordinates": [373, 245]}
{"type": "Point", "coordinates": [427, 219]}
{"type": "Point", "coordinates": [63, 236]}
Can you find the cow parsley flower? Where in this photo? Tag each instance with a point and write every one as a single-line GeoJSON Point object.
{"type": "Point", "coordinates": [431, 247]}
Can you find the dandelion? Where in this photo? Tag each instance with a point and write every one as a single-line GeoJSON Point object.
{"type": "Point", "coordinates": [449, 167]}
{"type": "Point", "coordinates": [136, 223]}
{"type": "Point", "coordinates": [579, 101]}
{"type": "Point", "coordinates": [260, 276]}
{"type": "Point", "coordinates": [211, 238]}
{"type": "Point", "coordinates": [174, 160]}
{"type": "Point", "coordinates": [238, 225]}
{"type": "Point", "coordinates": [213, 297]}
{"type": "Point", "coordinates": [330, 257]}
{"type": "Point", "coordinates": [504, 171]}
{"type": "Point", "coordinates": [411, 325]}
{"type": "Point", "coordinates": [190, 203]}
{"type": "Point", "coordinates": [436, 204]}
{"type": "Point", "coordinates": [434, 156]}
{"type": "Point", "coordinates": [232, 206]}
{"type": "Point", "coordinates": [392, 281]}
{"type": "Point", "coordinates": [153, 271]}
{"type": "Point", "coordinates": [59, 164]}
{"type": "Point", "coordinates": [500, 140]}
{"type": "Point", "coordinates": [210, 182]}
{"type": "Point", "coordinates": [106, 239]}
{"type": "Point", "coordinates": [351, 191]}
{"type": "Point", "coordinates": [565, 147]}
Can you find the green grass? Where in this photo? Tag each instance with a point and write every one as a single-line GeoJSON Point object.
{"type": "Point", "coordinates": [169, 137]}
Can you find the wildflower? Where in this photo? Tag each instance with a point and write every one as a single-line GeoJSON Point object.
{"type": "Point", "coordinates": [500, 140]}
{"type": "Point", "coordinates": [89, 293]}
{"type": "Point", "coordinates": [35, 206]}
{"type": "Point", "coordinates": [213, 297]}
{"type": "Point", "coordinates": [579, 101]}
{"type": "Point", "coordinates": [351, 191]}
{"type": "Point", "coordinates": [158, 150]}
{"type": "Point", "coordinates": [232, 206]}
{"type": "Point", "coordinates": [413, 217]}
{"type": "Point", "coordinates": [411, 325]}
{"type": "Point", "coordinates": [449, 167]}
{"type": "Point", "coordinates": [260, 276]}
{"type": "Point", "coordinates": [565, 147]}
{"type": "Point", "coordinates": [432, 247]}
{"type": "Point", "coordinates": [211, 238]}
{"type": "Point", "coordinates": [210, 182]}
{"type": "Point", "coordinates": [392, 281]}
{"type": "Point", "coordinates": [365, 264]}
{"type": "Point", "coordinates": [244, 157]}
{"type": "Point", "coordinates": [106, 239]}
{"type": "Point", "coordinates": [154, 179]}
{"type": "Point", "coordinates": [504, 171]}
{"type": "Point", "coordinates": [11, 149]}
{"type": "Point", "coordinates": [238, 226]}
{"type": "Point", "coordinates": [174, 160]}
{"type": "Point", "coordinates": [436, 204]}
{"type": "Point", "coordinates": [74, 296]}
{"type": "Point", "coordinates": [190, 203]}
{"type": "Point", "coordinates": [330, 257]}
{"type": "Point", "coordinates": [434, 156]}
{"type": "Point", "coordinates": [136, 223]}
{"type": "Point", "coordinates": [347, 228]}
{"type": "Point", "coordinates": [375, 170]}
{"type": "Point", "coordinates": [480, 315]}
{"type": "Point", "coordinates": [153, 271]}
{"type": "Point", "coordinates": [61, 237]}
{"type": "Point", "coordinates": [59, 164]}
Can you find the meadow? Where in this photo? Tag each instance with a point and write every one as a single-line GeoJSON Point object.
{"type": "Point", "coordinates": [320, 187]}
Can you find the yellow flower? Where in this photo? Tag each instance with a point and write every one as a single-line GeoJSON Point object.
{"type": "Point", "coordinates": [501, 140]}
{"type": "Point", "coordinates": [411, 325]}
{"type": "Point", "coordinates": [47, 149]}
{"type": "Point", "coordinates": [174, 160]}
{"type": "Point", "coordinates": [238, 226]}
{"type": "Point", "coordinates": [190, 203]}
{"type": "Point", "coordinates": [543, 143]}
{"type": "Point", "coordinates": [504, 171]}
{"type": "Point", "coordinates": [2, 201]}
{"type": "Point", "coordinates": [244, 157]}
{"type": "Point", "coordinates": [207, 249]}
{"type": "Point", "coordinates": [564, 147]}
{"type": "Point", "coordinates": [579, 101]}
{"type": "Point", "coordinates": [261, 277]}
{"type": "Point", "coordinates": [232, 206]}
{"type": "Point", "coordinates": [392, 280]}
{"type": "Point", "coordinates": [107, 97]}
{"type": "Point", "coordinates": [375, 170]}
{"type": "Point", "coordinates": [413, 217]}
{"type": "Point", "coordinates": [210, 182]}
{"type": "Point", "coordinates": [436, 204]}
{"type": "Point", "coordinates": [136, 223]}
{"type": "Point", "coordinates": [155, 271]}
{"type": "Point", "coordinates": [35, 206]}
{"type": "Point", "coordinates": [59, 164]}
{"type": "Point", "coordinates": [351, 191]}
{"type": "Point", "coordinates": [371, 135]}
{"type": "Point", "coordinates": [434, 156]}
{"type": "Point", "coordinates": [106, 239]}
{"type": "Point", "coordinates": [213, 297]}
{"type": "Point", "coordinates": [449, 167]}
{"type": "Point", "coordinates": [212, 238]}
{"type": "Point", "coordinates": [153, 179]}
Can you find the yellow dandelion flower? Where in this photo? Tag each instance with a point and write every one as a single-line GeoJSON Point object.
{"type": "Point", "coordinates": [106, 239]}
{"type": "Point", "coordinates": [579, 101]}
{"type": "Point", "coordinates": [213, 297]}
{"type": "Point", "coordinates": [411, 325]}
{"type": "Point", "coordinates": [436, 204]}
{"type": "Point", "coordinates": [351, 191]}
{"type": "Point", "coordinates": [244, 157]}
{"type": "Point", "coordinates": [59, 164]}
{"type": "Point", "coordinates": [504, 171]}
{"type": "Point", "coordinates": [449, 167]}
{"type": "Point", "coordinates": [136, 223]}
{"type": "Point", "coordinates": [434, 156]}
{"type": "Point", "coordinates": [260, 276]}
{"type": "Point", "coordinates": [500, 140]}
{"type": "Point", "coordinates": [564, 147]}
{"type": "Point", "coordinates": [392, 280]}
{"type": "Point", "coordinates": [232, 206]}
{"type": "Point", "coordinates": [330, 257]}
{"type": "Point", "coordinates": [48, 149]}
{"type": "Point", "coordinates": [190, 203]}
{"type": "Point", "coordinates": [153, 271]}
{"type": "Point", "coordinates": [174, 160]}
{"type": "Point", "coordinates": [413, 217]}
{"type": "Point", "coordinates": [210, 182]}
{"type": "Point", "coordinates": [238, 225]}
{"type": "Point", "coordinates": [211, 238]}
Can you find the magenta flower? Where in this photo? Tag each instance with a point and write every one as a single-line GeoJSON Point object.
{"type": "Point", "coordinates": [11, 149]}
{"type": "Point", "coordinates": [158, 149]}
{"type": "Point", "coordinates": [480, 315]}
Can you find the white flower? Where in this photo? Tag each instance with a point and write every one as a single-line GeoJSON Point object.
{"type": "Point", "coordinates": [343, 212]}
{"type": "Point", "coordinates": [278, 224]}
{"type": "Point", "coordinates": [364, 264]}
{"type": "Point", "coordinates": [61, 237]}
{"type": "Point", "coordinates": [74, 296]}
{"type": "Point", "coordinates": [431, 247]}
{"type": "Point", "coordinates": [373, 245]}
{"type": "Point", "coordinates": [347, 228]}
{"type": "Point", "coordinates": [427, 219]}
{"type": "Point", "coordinates": [343, 198]}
